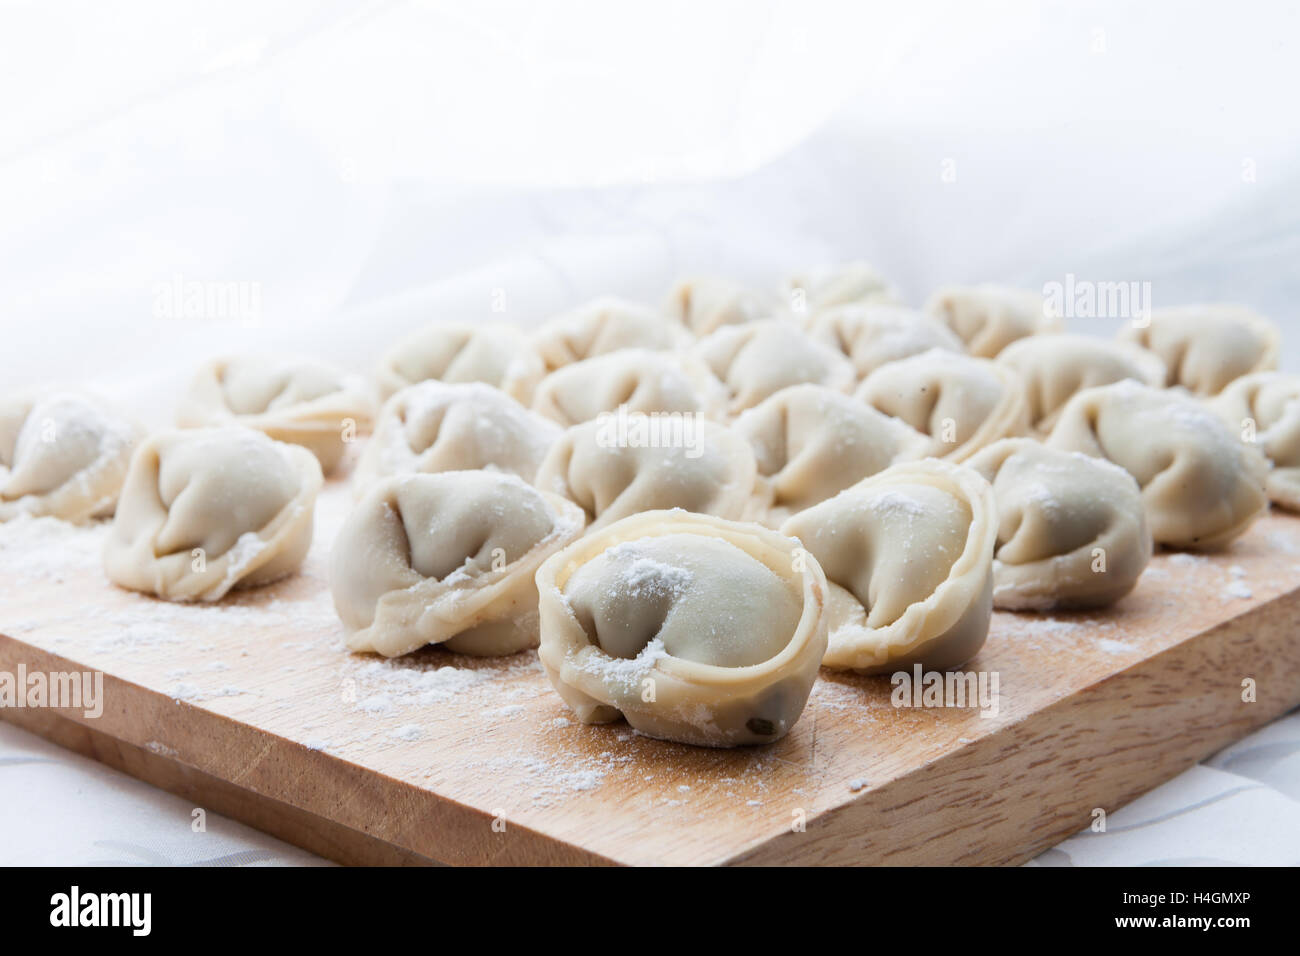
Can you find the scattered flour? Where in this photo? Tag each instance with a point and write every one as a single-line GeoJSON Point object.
{"type": "Point", "coordinates": [1237, 591]}
{"type": "Point", "coordinates": [1109, 646]}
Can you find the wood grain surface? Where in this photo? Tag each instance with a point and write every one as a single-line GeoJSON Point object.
{"type": "Point", "coordinates": [254, 708]}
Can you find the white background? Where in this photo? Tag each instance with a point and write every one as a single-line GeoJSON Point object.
{"type": "Point", "coordinates": [367, 167]}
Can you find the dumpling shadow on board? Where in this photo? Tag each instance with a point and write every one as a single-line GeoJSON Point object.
{"type": "Point", "coordinates": [433, 657]}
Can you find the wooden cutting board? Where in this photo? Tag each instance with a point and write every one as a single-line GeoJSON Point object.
{"type": "Point", "coordinates": [254, 708]}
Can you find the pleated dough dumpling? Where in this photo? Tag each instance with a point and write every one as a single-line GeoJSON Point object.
{"type": "Point", "coordinates": [758, 359]}
{"type": "Point", "coordinates": [603, 326]}
{"type": "Point", "coordinates": [62, 454]}
{"type": "Point", "coordinates": [1055, 366]}
{"type": "Point", "coordinates": [1201, 485]}
{"type": "Point", "coordinates": [638, 379]}
{"type": "Point", "coordinates": [205, 510]}
{"type": "Point", "coordinates": [962, 403]}
{"type": "Point", "coordinates": [870, 336]}
{"type": "Point", "coordinates": [494, 353]}
{"type": "Point", "coordinates": [693, 628]}
{"type": "Point", "coordinates": [811, 442]}
{"type": "Point", "coordinates": [1264, 409]}
{"type": "Point", "coordinates": [1205, 347]}
{"type": "Point", "coordinates": [694, 464]}
{"type": "Point", "coordinates": [1072, 531]}
{"type": "Point", "coordinates": [704, 304]}
{"type": "Point", "coordinates": [300, 401]}
{"type": "Point", "coordinates": [433, 427]}
{"type": "Point", "coordinates": [989, 317]}
{"type": "Point", "coordinates": [447, 559]}
{"type": "Point", "coordinates": [823, 287]}
{"type": "Point", "coordinates": [908, 555]}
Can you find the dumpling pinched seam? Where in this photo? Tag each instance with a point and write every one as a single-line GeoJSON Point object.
{"type": "Point", "coordinates": [1207, 347]}
{"type": "Point", "coordinates": [642, 381]}
{"type": "Point", "coordinates": [259, 556]}
{"type": "Point", "coordinates": [1056, 366]}
{"type": "Point", "coordinates": [1201, 484]}
{"type": "Point", "coordinates": [494, 353]}
{"type": "Point", "coordinates": [692, 702]}
{"type": "Point", "coordinates": [977, 399]}
{"type": "Point", "coordinates": [62, 454]}
{"type": "Point", "coordinates": [302, 402]}
{"type": "Point", "coordinates": [1264, 408]}
{"type": "Point", "coordinates": [435, 426]}
{"type": "Point", "coordinates": [392, 608]}
{"type": "Point", "coordinates": [947, 626]}
{"type": "Point", "coordinates": [710, 471]}
{"type": "Point", "coordinates": [1072, 529]}
{"type": "Point", "coordinates": [990, 317]}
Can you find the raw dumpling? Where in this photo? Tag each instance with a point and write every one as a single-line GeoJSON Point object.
{"type": "Point", "coordinates": [812, 442]}
{"type": "Point", "coordinates": [447, 559]}
{"type": "Point", "coordinates": [988, 318]}
{"type": "Point", "coordinates": [760, 358]}
{"type": "Point", "coordinates": [434, 427]}
{"type": "Point", "coordinates": [205, 510]}
{"type": "Point", "coordinates": [1201, 485]}
{"type": "Point", "coordinates": [1056, 365]}
{"type": "Point", "coordinates": [457, 352]}
{"type": "Point", "coordinates": [603, 326]}
{"type": "Point", "coordinates": [689, 463]}
{"type": "Point", "coordinates": [62, 454]}
{"type": "Point", "coordinates": [1264, 408]}
{"type": "Point", "coordinates": [908, 555]}
{"type": "Point", "coordinates": [824, 287]}
{"type": "Point", "coordinates": [1204, 347]}
{"type": "Point", "coordinates": [962, 403]}
{"type": "Point", "coordinates": [641, 380]}
{"type": "Point", "coordinates": [872, 335]}
{"type": "Point", "coordinates": [300, 401]}
{"type": "Point", "coordinates": [1072, 532]}
{"type": "Point", "coordinates": [693, 628]}
{"type": "Point", "coordinates": [706, 304]}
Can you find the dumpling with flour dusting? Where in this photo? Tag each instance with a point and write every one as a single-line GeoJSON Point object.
{"type": "Point", "coordinates": [62, 454]}
{"type": "Point", "coordinates": [758, 359]}
{"type": "Point", "coordinates": [1057, 365]}
{"type": "Point", "coordinates": [1201, 485]}
{"type": "Point", "coordinates": [705, 304]}
{"type": "Point", "coordinates": [870, 336]}
{"type": "Point", "coordinates": [495, 353]}
{"type": "Point", "coordinates": [811, 442]}
{"type": "Point", "coordinates": [603, 326]}
{"type": "Point", "coordinates": [652, 463]}
{"type": "Point", "coordinates": [1072, 531]}
{"type": "Point", "coordinates": [300, 401]}
{"type": "Point", "coordinates": [908, 555]}
{"type": "Point", "coordinates": [693, 628]}
{"type": "Point", "coordinates": [434, 426]}
{"type": "Point", "coordinates": [638, 380]}
{"type": "Point", "coordinates": [1264, 408]}
{"type": "Point", "coordinates": [205, 510]}
{"type": "Point", "coordinates": [962, 403]}
{"type": "Point", "coordinates": [447, 559]}
{"type": "Point", "coordinates": [990, 317]}
{"type": "Point", "coordinates": [815, 289]}
{"type": "Point", "coordinates": [1205, 347]}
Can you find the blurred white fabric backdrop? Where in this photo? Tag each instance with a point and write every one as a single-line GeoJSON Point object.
{"type": "Point", "coordinates": [354, 169]}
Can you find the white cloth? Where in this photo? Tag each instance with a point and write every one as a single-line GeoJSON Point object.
{"type": "Point", "coordinates": [348, 172]}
